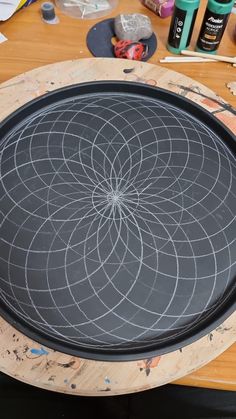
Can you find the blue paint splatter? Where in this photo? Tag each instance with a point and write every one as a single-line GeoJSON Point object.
{"type": "Point", "coordinates": [66, 381]}
{"type": "Point", "coordinates": [39, 352]}
{"type": "Point", "coordinates": [107, 380]}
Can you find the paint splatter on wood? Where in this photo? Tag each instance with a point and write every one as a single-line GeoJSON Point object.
{"type": "Point", "coordinates": [148, 364]}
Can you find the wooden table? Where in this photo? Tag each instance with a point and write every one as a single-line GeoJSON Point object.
{"type": "Point", "coordinates": [31, 44]}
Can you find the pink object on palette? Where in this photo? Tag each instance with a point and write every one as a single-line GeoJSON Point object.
{"type": "Point", "coordinates": [162, 8]}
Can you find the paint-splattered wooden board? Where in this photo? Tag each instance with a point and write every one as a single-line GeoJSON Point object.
{"type": "Point", "coordinates": [28, 361]}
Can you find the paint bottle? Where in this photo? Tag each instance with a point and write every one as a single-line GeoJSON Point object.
{"type": "Point", "coordinates": [182, 23]}
{"type": "Point", "coordinates": [213, 26]}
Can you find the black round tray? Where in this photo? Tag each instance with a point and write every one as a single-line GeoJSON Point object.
{"type": "Point", "coordinates": [117, 209]}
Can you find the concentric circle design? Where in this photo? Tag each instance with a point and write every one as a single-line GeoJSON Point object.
{"type": "Point", "coordinates": [117, 222]}
{"type": "Point", "coordinates": [113, 198]}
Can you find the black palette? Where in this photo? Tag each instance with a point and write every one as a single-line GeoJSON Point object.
{"type": "Point", "coordinates": [117, 208]}
{"type": "Point", "coordinates": [99, 40]}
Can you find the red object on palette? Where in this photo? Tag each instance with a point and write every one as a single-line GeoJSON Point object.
{"type": "Point", "coordinates": [130, 50]}
{"type": "Point", "coordinates": [162, 8]}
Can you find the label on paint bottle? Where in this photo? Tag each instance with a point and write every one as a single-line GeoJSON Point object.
{"type": "Point", "coordinates": [191, 27]}
{"type": "Point", "coordinates": [176, 28]}
{"type": "Point", "coordinates": [212, 31]}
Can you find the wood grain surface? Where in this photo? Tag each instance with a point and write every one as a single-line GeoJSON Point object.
{"type": "Point", "coordinates": [218, 374]}
{"type": "Point", "coordinates": [31, 43]}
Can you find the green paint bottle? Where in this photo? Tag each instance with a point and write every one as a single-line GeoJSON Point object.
{"type": "Point", "coordinates": [182, 23]}
{"type": "Point", "coordinates": [213, 26]}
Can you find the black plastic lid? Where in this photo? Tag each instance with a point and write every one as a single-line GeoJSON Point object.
{"type": "Point", "coordinates": [48, 11]}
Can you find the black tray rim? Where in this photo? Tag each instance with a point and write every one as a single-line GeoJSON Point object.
{"type": "Point", "coordinates": [192, 334]}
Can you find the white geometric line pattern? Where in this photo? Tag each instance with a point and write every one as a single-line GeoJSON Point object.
{"type": "Point", "coordinates": [117, 221]}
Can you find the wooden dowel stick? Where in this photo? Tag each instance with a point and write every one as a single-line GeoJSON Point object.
{"type": "Point", "coordinates": [213, 57]}
{"type": "Point", "coordinates": [185, 60]}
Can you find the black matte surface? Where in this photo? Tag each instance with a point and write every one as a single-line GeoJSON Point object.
{"type": "Point", "coordinates": [117, 220]}
{"type": "Point", "coordinates": [166, 402]}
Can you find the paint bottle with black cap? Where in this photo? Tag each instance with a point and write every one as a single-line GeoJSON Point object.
{"type": "Point", "coordinates": [213, 26]}
{"type": "Point", "coordinates": [182, 23]}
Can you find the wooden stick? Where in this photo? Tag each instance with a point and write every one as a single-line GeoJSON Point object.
{"type": "Point", "coordinates": [185, 60]}
{"type": "Point", "coordinates": [213, 57]}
